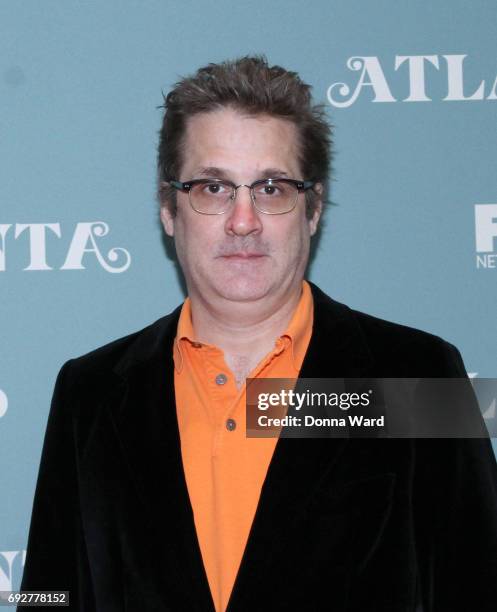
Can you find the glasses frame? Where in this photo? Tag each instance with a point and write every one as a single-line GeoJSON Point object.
{"type": "Point", "coordinates": [186, 186]}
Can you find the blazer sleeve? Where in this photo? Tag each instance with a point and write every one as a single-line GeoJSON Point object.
{"type": "Point", "coordinates": [455, 510]}
{"type": "Point", "coordinates": [56, 554]}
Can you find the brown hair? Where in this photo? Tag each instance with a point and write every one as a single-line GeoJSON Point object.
{"type": "Point", "coordinates": [250, 85]}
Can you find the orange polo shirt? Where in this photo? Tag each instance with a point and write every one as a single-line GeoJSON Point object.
{"type": "Point", "coordinates": [224, 469]}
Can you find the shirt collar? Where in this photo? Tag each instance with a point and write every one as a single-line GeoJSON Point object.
{"type": "Point", "coordinates": [184, 333]}
{"type": "Point", "coordinates": [297, 334]}
{"type": "Point", "coordinates": [299, 329]}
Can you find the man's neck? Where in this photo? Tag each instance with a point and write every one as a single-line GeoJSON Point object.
{"type": "Point", "coordinates": [246, 331]}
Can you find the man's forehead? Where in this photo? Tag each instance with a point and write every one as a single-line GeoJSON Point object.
{"type": "Point", "coordinates": [230, 113]}
{"type": "Point", "coordinates": [218, 142]}
{"type": "Point", "coordinates": [225, 173]}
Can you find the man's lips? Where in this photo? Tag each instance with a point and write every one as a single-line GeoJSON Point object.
{"type": "Point", "coordinates": [243, 255]}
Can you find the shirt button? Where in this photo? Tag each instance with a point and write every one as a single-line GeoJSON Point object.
{"type": "Point", "coordinates": [221, 379]}
{"type": "Point", "coordinates": [230, 424]}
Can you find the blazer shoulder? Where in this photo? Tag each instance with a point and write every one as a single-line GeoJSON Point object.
{"type": "Point", "coordinates": [392, 347]}
{"type": "Point", "coordinates": [135, 347]}
{"type": "Point", "coordinates": [393, 341]}
{"type": "Point", "coordinates": [390, 331]}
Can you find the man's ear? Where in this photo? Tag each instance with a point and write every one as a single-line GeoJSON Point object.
{"type": "Point", "coordinates": [318, 208]}
{"type": "Point", "coordinates": [167, 219]}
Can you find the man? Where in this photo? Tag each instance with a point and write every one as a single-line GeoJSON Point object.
{"type": "Point", "coordinates": [150, 495]}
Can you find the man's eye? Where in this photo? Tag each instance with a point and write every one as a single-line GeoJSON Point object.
{"type": "Point", "coordinates": [270, 190]}
{"type": "Point", "coordinates": [214, 189]}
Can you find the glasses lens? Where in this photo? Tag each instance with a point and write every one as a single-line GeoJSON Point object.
{"type": "Point", "coordinates": [210, 197]}
{"type": "Point", "coordinates": [275, 197]}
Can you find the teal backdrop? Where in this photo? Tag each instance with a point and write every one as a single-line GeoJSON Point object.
{"type": "Point", "coordinates": [411, 90]}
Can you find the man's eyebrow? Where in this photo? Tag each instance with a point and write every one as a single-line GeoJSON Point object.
{"type": "Point", "coordinates": [214, 172]}
{"type": "Point", "coordinates": [273, 173]}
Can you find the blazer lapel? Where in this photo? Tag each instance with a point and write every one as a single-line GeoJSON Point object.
{"type": "Point", "coordinates": [144, 415]}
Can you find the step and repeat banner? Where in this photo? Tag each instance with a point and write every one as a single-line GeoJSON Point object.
{"type": "Point", "coordinates": [411, 89]}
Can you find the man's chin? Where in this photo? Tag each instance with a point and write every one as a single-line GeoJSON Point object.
{"type": "Point", "coordinates": [244, 289]}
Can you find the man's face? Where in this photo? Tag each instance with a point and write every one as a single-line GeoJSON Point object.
{"type": "Point", "coordinates": [242, 255]}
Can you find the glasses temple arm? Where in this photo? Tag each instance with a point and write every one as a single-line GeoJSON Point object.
{"type": "Point", "coordinates": [308, 184]}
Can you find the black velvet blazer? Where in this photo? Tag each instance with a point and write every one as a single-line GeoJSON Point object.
{"type": "Point", "coordinates": [358, 525]}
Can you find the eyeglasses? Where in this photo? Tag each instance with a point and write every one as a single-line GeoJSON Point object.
{"type": "Point", "coordinates": [269, 196]}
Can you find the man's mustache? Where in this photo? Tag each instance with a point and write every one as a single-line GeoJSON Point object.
{"type": "Point", "coordinates": [236, 245]}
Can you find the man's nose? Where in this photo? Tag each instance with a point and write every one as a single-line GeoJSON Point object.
{"type": "Point", "coordinates": [242, 217]}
